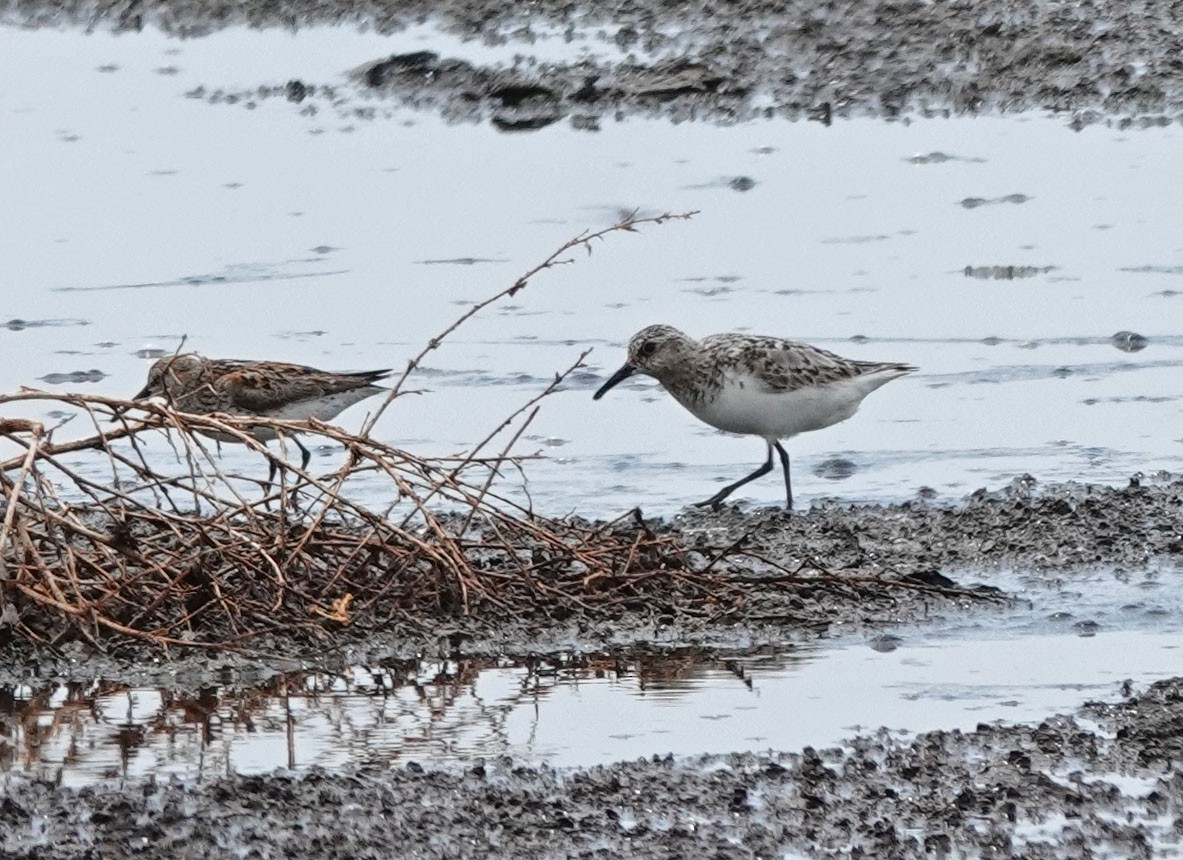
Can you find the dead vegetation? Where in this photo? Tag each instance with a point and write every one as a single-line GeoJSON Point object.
{"type": "Point", "coordinates": [103, 543]}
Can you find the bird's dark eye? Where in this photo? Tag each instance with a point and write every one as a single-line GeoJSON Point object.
{"type": "Point", "coordinates": [647, 349]}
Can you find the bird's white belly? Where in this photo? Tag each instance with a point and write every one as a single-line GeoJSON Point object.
{"type": "Point", "coordinates": [323, 408]}
{"type": "Point", "coordinates": [739, 407]}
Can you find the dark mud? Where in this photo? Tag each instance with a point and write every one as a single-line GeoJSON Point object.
{"type": "Point", "coordinates": [1104, 782]}
{"type": "Point", "coordinates": [1023, 526]}
{"type": "Point", "coordinates": [718, 61]}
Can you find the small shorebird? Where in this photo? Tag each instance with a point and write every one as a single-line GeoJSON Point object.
{"type": "Point", "coordinates": [270, 389]}
{"type": "Point", "coordinates": [753, 385]}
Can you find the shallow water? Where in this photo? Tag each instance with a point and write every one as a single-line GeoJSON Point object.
{"type": "Point", "coordinates": [1057, 648]}
{"type": "Point", "coordinates": [345, 239]}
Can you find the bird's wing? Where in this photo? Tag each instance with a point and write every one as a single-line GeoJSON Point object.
{"type": "Point", "coordinates": [262, 388]}
{"type": "Point", "coordinates": [776, 365]}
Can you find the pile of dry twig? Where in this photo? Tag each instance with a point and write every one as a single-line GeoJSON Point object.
{"type": "Point", "coordinates": [194, 558]}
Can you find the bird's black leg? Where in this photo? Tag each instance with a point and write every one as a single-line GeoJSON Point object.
{"type": "Point", "coordinates": [784, 461]}
{"type": "Point", "coordinates": [717, 499]}
{"type": "Point", "coordinates": [305, 454]}
{"type": "Point", "coordinates": [272, 468]}
{"type": "Point", "coordinates": [305, 459]}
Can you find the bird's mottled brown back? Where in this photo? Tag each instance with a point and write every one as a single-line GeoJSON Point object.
{"type": "Point", "coordinates": [193, 383]}
{"type": "Point", "coordinates": [782, 365]}
{"type": "Point", "coordinates": [261, 388]}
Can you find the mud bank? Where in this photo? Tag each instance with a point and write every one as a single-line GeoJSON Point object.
{"type": "Point", "coordinates": [833, 568]}
{"type": "Point", "coordinates": [718, 61]}
{"type": "Point", "coordinates": [1025, 525]}
{"type": "Point", "coordinates": [1099, 783]}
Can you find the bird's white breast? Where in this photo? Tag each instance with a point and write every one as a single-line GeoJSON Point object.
{"type": "Point", "coordinates": [742, 405]}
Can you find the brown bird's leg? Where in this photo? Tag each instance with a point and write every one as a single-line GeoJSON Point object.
{"type": "Point", "coordinates": [305, 459]}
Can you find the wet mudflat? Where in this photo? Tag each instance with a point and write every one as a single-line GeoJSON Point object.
{"type": "Point", "coordinates": [1099, 782]}
{"type": "Point", "coordinates": [834, 568]}
{"type": "Point", "coordinates": [717, 61]}
{"type": "Point", "coordinates": [1051, 349]}
{"type": "Point", "coordinates": [1032, 788]}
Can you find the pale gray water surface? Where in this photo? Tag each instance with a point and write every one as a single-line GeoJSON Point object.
{"type": "Point", "coordinates": [141, 215]}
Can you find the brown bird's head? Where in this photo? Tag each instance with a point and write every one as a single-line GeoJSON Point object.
{"type": "Point", "coordinates": [172, 376]}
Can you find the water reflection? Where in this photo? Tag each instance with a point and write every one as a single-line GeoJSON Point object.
{"type": "Point", "coordinates": [586, 710]}
{"type": "Point", "coordinates": [80, 732]}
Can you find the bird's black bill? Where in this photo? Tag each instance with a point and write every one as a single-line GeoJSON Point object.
{"type": "Point", "coordinates": [118, 413]}
{"type": "Point", "coordinates": [619, 376]}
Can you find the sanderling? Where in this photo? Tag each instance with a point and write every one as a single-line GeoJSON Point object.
{"type": "Point", "coordinates": [756, 386]}
{"type": "Point", "coordinates": [270, 389]}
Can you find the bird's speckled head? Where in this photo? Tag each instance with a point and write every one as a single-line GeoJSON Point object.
{"type": "Point", "coordinates": [172, 375]}
{"type": "Point", "coordinates": [657, 350]}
